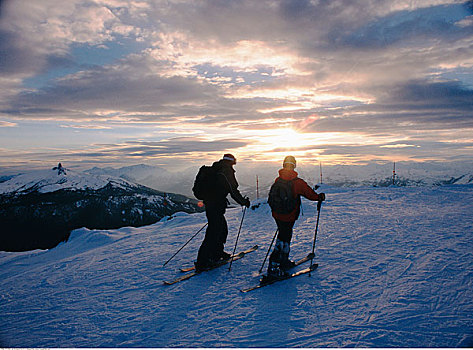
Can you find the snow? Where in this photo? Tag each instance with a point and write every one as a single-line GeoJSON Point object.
{"type": "Point", "coordinates": [50, 180]}
{"type": "Point", "coordinates": [395, 270]}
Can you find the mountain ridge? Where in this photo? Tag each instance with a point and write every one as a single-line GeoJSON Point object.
{"type": "Point", "coordinates": [39, 209]}
{"type": "Point", "coordinates": [372, 175]}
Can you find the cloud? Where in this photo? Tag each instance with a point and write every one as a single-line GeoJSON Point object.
{"type": "Point", "coordinates": [178, 146]}
{"type": "Point", "coordinates": [177, 153]}
{"type": "Point", "coordinates": [442, 94]}
{"type": "Point", "coordinates": [251, 48]}
{"type": "Point", "coordinates": [370, 68]}
{"type": "Point", "coordinates": [424, 150]}
{"type": "Point", "coordinates": [401, 27]}
{"type": "Point", "coordinates": [175, 147]}
{"type": "Point", "coordinates": [415, 105]}
{"type": "Point", "coordinates": [5, 124]}
{"type": "Point", "coordinates": [13, 59]}
{"type": "Point", "coordinates": [128, 87]}
{"type": "Point", "coordinates": [33, 34]}
{"type": "Point", "coordinates": [86, 126]}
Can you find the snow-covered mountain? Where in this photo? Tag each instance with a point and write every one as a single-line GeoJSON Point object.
{"type": "Point", "coordinates": [50, 180]}
{"type": "Point", "coordinates": [407, 174]}
{"type": "Point", "coordinates": [395, 270]}
{"type": "Point", "coordinates": [40, 208]}
{"type": "Point", "coordinates": [140, 172]}
{"type": "Point", "coordinates": [153, 176]}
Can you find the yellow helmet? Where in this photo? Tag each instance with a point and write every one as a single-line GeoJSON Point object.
{"type": "Point", "coordinates": [289, 160]}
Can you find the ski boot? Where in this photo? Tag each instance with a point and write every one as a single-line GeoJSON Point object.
{"type": "Point", "coordinates": [287, 264]}
{"type": "Point", "coordinates": [204, 265]}
{"type": "Point", "coordinates": [274, 272]}
{"type": "Point", "coordinates": [224, 255]}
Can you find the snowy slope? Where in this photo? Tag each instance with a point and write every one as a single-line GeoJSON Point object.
{"type": "Point", "coordinates": [395, 271]}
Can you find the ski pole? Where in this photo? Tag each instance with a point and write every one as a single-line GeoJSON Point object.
{"type": "Point", "coordinates": [319, 206]}
{"type": "Point", "coordinates": [185, 244]}
{"type": "Point", "coordinates": [261, 269]}
{"type": "Point", "coordinates": [236, 242]}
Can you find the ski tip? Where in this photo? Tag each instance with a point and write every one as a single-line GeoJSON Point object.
{"type": "Point", "coordinates": [255, 273]}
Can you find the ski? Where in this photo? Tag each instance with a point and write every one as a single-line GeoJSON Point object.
{"type": "Point", "coordinates": [310, 256]}
{"type": "Point", "coordinates": [264, 283]}
{"type": "Point", "coordinates": [192, 268]}
{"type": "Point", "coordinates": [220, 263]}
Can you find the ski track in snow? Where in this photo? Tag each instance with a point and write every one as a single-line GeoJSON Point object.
{"type": "Point", "coordinates": [395, 270]}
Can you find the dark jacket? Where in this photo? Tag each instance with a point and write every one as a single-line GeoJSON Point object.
{"type": "Point", "coordinates": [226, 183]}
{"type": "Point", "coordinates": [300, 189]}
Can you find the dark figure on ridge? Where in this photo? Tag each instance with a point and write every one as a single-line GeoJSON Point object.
{"type": "Point", "coordinates": [285, 201]}
{"type": "Point", "coordinates": [60, 169]}
{"type": "Point", "coordinates": [213, 184]}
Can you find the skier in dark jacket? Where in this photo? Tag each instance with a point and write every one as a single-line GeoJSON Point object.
{"type": "Point", "coordinates": [211, 250]}
{"type": "Point", "coordinates": [279, 259]}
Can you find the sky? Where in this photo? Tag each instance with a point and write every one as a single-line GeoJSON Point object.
{"type": "Point", "coordinates": [177, 83]}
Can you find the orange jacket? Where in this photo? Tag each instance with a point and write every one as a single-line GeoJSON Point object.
{"type": "Point", "coordinates": [300, 189]}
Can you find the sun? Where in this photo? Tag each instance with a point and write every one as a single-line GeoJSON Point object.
{"type": "Point", "coordinates": [276, 143]}
{"type": "Point", "coordinates": [286, 138]}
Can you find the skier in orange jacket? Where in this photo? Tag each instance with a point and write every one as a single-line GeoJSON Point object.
{"type": "Point", "coordinates": [279, 259]}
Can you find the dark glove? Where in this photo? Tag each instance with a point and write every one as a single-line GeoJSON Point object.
{"type": "Point", "coordinates": [247, 202]}
{"type": "Point", "coordinates": [321, 197]}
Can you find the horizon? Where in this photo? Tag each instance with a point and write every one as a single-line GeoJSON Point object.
{"type": "Point", "coordinates": [301, 164]}
{"type": "Point", "coordinates": [246, 173]}
{"type": "Point", "coordinates": [178, 84]}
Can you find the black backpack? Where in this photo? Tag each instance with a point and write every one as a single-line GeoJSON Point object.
{"type": "Point", "coordinates": [205, 183]}
{"type": "Point", "coordinates": [281, 196]}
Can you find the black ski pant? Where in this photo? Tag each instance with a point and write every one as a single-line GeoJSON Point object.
{"type": "Point", "coordinates": [282, 247]}
{"type": "Point", "coordinates": [285, 230]}
{"type": "Point", "coordinates": [216, 233]}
